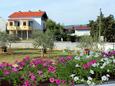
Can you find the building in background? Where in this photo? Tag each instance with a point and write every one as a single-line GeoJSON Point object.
{"type": "Point", "coordinates": [22, 24]}
{"type": "Point", "coordinates": [77, 30]}
{"type": "Point", "coordinates": [2, 24]}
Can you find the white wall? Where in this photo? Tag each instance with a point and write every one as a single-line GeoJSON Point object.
{"type": "Point", "coordinates": [2, 24]}
{"type": "Point", "coordinates": [82, 32]}
{"type": "Point", "coordinates": [61, 45]}
{"type": "Point", "coordinates": [37, 24]}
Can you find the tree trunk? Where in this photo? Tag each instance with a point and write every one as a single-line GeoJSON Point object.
{"type": "Point", "coordinates": [44, 50]}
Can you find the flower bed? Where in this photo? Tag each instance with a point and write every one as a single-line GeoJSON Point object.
{"type": "Point", "coordinates": [67, 71]}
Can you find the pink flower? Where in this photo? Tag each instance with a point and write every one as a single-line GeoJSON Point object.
{"type": "Point", "coordinates": [21, 64]}
{"type": "Point", "coordinates": [6, 72]}
{"type": "Point", "coordinates": [27, 58]}
{"type": "Point", "coordinates": [89, 64]}
{"type": "Point", "coordinates": [26, 83]}
{"type": "Point", "coordinates": [14, 69]}
{"type": "Point", "coordinates": [58, 81]}
{"type": "Point", "coordinates": [63, 81]}
{"type": "Point", "coordinates": [32, 76]}
{"type": "Point", "coordinates": [52, 80]}
{"type": "Point", "coordinates": [40, 72]}
{"type": "Point", "coordinates": [85, 66]}
{"type": "Point", "coordinates": [69, 57]}
{"type": "Point", "coordinates": [51, 69]}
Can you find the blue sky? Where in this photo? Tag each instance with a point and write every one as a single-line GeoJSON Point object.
{"type": "Point", "coordinates": [66, 12]}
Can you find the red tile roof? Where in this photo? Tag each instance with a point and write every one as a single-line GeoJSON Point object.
{"type": "Point", "coordinates": [81, 27]}
{"type": "Point", "coordinates": [78, 27]}
{"type": "Point", "coordinates": [27, 14]}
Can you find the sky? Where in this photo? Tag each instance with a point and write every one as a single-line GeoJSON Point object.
{"type": "Point", "coordinates": [66, 12]}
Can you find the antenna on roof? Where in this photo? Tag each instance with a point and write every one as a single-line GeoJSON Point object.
{"type": "Point", "coordinates": [30, 11]}
{"type": "Point", "coordinates": [19, 11]}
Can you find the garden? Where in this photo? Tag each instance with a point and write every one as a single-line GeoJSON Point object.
{"type": "Point", "coordinates": [86, 67]}
{"type": "Point", "coordinates": [43, 66]}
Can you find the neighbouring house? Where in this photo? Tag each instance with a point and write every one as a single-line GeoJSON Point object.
{"type": "Point", "coordinates": [77, 30]}
{"type": "Point", "coordinates": [2, 24]}
{"type": "Point", "coordinates": [22, 24]}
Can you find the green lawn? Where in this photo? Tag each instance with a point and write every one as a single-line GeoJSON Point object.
{"type": "Point", "coordinates": [19, 54]}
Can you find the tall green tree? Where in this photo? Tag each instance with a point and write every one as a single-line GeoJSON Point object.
{"type": "Point", "coordinates": [56, 29]}
{"type": "Point", "coordinates": [103, 26]}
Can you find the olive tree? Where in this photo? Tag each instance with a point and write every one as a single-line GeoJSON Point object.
{"type": "Point", "coordinates": [3, 39]}
{"type": "Point", "coordinates": [89, 42]}
{"type": "Point", "coordinates": [6, 39]}
{"type": "Point", "coordinates": [43, 40]}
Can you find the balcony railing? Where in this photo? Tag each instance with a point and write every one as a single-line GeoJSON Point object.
{"type": "Point", "coordinates": [19, 28]}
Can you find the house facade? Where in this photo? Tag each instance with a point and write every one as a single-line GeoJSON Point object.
{"type": "Point", "coordinates": [78, 30]}
{"type": "Point", "coordinates": [2, 24]}
{"type": "Point", "coordinates": [22, 24]}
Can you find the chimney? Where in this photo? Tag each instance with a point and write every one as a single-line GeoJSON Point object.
{"type": "Point", "coordinates": [39, 10]}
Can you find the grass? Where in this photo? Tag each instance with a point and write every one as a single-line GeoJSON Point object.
{"type": "Point", "coordinates": [19, 54]}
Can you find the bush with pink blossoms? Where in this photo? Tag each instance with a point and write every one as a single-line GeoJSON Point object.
{"type": "Point", "coordinates": [28, 72]}
{"type": "Point", "coordinates": [66, 71]}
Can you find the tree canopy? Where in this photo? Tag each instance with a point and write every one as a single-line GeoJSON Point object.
{"type": "Point", "coordinates": [107, 29]}
{"type": "Point", "coordinates": [55, 28]}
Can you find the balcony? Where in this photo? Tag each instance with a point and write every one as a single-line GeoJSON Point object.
{"type": "Point", "coordinates": [19, 28]}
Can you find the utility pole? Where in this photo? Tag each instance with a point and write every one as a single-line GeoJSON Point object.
{"type": "Point", "coordinates": [100, 24]}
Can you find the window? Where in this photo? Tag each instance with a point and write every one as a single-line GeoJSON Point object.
{"type": "Point", "coordinates": [17, 23]}
{"type": "Point", "coordinates": [11, 23]}
{"type": "Point", "coordinates": [24, 23]}
{"type": "Point", "coordinates": [30, 23]}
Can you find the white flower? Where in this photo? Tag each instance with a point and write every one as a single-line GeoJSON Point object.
{"type": "Point", "coordinates": [94, 65]}
{"type": "Point", "coordinates": [76, 78]}
{"type": "Point", "coordinates": [89, 78]}
{"type": "Point", "coordinates": [92, 84]}
{"type": "Point", "coordinates": [88, 82]}
{"type": "Point", "coordinates": [106, 59]}
{"type": "Point", "coordinates": [104, 78]}
{"type": "Point", "coordinates": [82, 80]}
{"type": "Point", "coordinates": [96, 55]}
{"type": "Point", "coordinates": [107, 75]}
{"type": "Point", "coordinates": [104, 64]}
{"type": "Point", "coordinates": [112, 57]}
{"type": "Point", "coordinates": [97, 64]}
{"type": "Point", "coordinates": [102, 67]}
{"type": "Point", "coordinates": [77, 65]}
{"type": "Point", "coordinates": [91, 71]}
{"type": "Point", "coordinates": [113, 60]}
{"type": "Point", "coordinates": [77, 58]}
{"type": "Point", "coordinates": [72, 75]}
{"type": "Point", "coordinates": [102, 59]}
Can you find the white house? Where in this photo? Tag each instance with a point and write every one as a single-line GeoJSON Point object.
{"type": "Point", "coordinates": [23, 23]}
{"type": "Point", "coordinates": [82, 30]}
{"type": "Point", "coordinates": [78, 30]}
{"type": "Point", "coordinates": [2, 24]}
